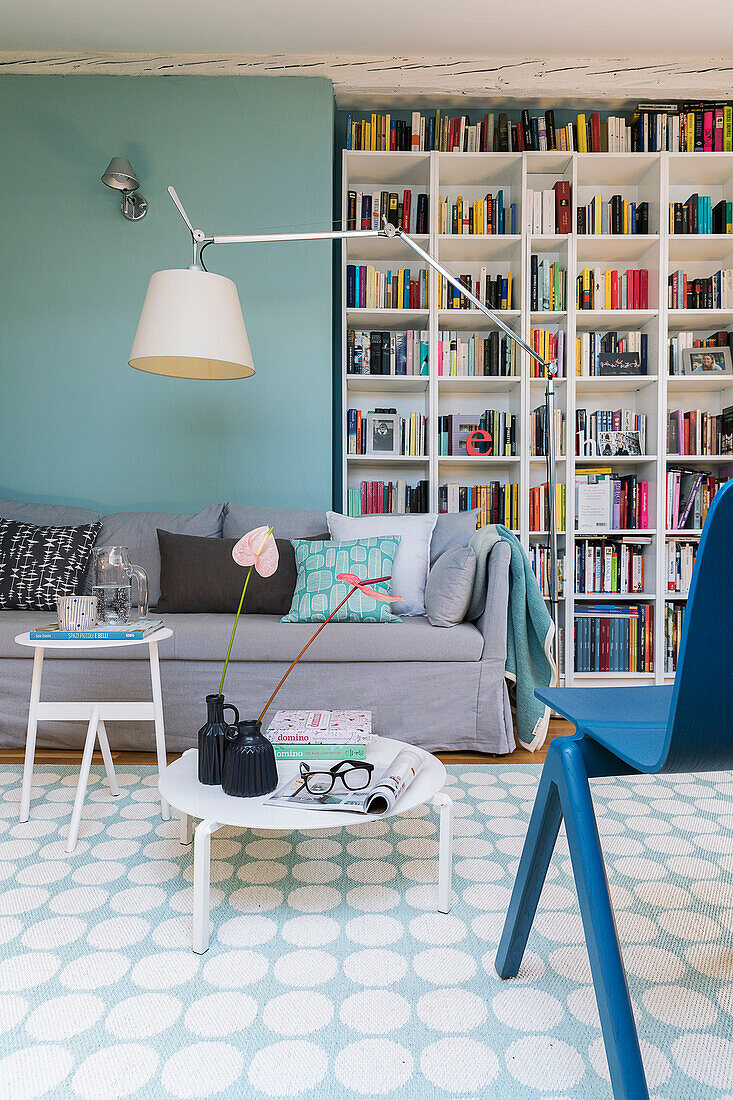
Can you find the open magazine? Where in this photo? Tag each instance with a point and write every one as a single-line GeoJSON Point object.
{"type": "Point", "coordinates": [378, 798]}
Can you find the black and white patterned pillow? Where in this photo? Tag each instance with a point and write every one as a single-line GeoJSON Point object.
{"type": "Point", "coordinates": [38, 564]}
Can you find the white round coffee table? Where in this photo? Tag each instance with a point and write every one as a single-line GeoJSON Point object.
{"type": "Point", "coordinates": [94, 714]}
{"type": "Point", "coordinates": [179, 786]}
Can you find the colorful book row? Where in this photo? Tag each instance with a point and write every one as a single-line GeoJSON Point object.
{"type": "Point", "coordinates": [614, 638]}
{"type": "Point", "coordinates": [597, 288]}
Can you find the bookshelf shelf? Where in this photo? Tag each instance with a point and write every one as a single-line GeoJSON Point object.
{"type": "Point", "coordinates": [614, 384]}
{"type": "Point", "coordinates": [483, 460]}
{"type": "Point", "coordinates": [383, 248]}
{"type": "Point", "coordinates": [694, 382]}
{"type": "Point", "coordinates": [655, 178]}
{"type": "Point", "coordinates": [613, 318]}
{"type": "Point", "coordinates": [643, 532]}
{"type": "Point", "coordinates": [699, 460]}
{"type": "Point", "coordinates": [614, 597]}
{"type": "Point", "coordinates": [547, 316]}
{"type": "Point", "coordinates": [699, 246]}
{"type": "Point", "coordinates": [616, 460]}
{"type": "Point", "coordinates": [615, 246]}
{"type": "Point", "coordinates": [387, 318]}
{"type": "Point", "coordinates": [491, 384]}
{"type": "Point", "coordinates": [390, 460]}
{"type": "Point", "coordinates": [478, 246]}
{"type": "Point", "coordinates": [471, 319]}
{"type": "Point", "coordinates": [386, 383]}
{"type": "Point", "coordinates": [699, 318]}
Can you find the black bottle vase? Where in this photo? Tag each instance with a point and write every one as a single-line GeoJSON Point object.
{"type": "Point", "coordinates": [211, 740]}
{"type": "Point", "coordinates": [249, 762]}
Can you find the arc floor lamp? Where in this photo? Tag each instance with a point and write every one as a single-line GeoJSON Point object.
{"type": "Point", "coordinates": [191, 326]}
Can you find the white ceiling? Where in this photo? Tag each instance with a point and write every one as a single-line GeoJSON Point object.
{"type": "Point", "coordinates": [632, 29]}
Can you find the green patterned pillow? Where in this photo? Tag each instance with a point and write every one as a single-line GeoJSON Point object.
{"type": "Point", "coordinates": [317, 592]}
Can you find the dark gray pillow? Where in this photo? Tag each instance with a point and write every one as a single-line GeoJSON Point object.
{"type": "Point", "coordinates": [199, 575]}
{"type": "Point", "coordinates": [137, 531]}
{"type": "Point", "coordinates": [452, 529]}
{"type": "Point", "coordinates": [450, 586]}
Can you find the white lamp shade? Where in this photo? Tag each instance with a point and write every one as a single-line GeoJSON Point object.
{"type": "Point", "coordinates": [191, 326]}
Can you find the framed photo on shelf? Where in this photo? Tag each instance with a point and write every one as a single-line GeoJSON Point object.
{"type": "Point", "coordinates": [706, 361]}
{"type": "Point", "coordinates": [613, 444]}
{"type": "Point", "coordinates": [383, 434]}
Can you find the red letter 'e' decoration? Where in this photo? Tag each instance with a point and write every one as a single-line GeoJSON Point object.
{"type": "Point", "coordinates": [479, 436]}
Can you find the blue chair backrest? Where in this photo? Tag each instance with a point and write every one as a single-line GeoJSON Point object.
{"type": "Point", "coordinates": [700, 731]}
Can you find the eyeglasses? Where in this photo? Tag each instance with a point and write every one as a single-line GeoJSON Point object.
{"type": "Point", "coordinates": [355, 776]}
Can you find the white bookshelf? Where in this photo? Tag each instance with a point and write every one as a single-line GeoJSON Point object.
{"type": "Point", "coordinates": [657, 178]}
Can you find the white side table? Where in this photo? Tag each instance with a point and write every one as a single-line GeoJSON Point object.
{"type": "Point", "coordinates": [179, 785]}
{"type": "Point", "coordinates": [95, 714]}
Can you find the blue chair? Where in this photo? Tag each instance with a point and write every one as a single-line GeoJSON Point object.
{"type": "Point", "coordinates": [625, 731]}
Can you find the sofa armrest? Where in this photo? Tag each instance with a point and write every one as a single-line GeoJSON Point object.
{"type": "Point", "coordinates": [492, 621]}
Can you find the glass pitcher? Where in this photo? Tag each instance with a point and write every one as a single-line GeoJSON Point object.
{"type": "Point", "coordinates": [112, 574]}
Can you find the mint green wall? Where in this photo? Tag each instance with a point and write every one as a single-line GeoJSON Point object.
{"type": "Point", "coordinates": [76, 423]}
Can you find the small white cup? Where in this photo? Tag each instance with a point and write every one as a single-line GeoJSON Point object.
{"type": "Point", "coordinates": [76, 612]}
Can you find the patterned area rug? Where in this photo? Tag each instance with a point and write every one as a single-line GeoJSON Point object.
{"type": "Point", "coordinates": [330, 975]}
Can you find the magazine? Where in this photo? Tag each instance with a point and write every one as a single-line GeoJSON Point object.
{"type": "Point", "coordinates": [378, 798]}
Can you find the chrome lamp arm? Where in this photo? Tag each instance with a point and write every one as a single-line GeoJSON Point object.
{"type": "Point", "coordinates": [201, 240]}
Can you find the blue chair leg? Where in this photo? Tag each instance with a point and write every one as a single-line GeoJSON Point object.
{"type": "Point", "coordinates": [564, 792]}
{"type": "Point", "coordinates": [544, 826]}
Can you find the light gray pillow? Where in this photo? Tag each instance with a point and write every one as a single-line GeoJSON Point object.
{"type": "Point", "coordinates": [452, 529]}
{"type": "Point", "coordinates": [289, 523]}
{"type": "Point", "coordinates": [450, 585]}
{"type": "Point", "coordinates": [138, 531]}
{"type": "Point", "coordinates": [48, 515]}
{"type": "Point", "coordinates": [411, 563]}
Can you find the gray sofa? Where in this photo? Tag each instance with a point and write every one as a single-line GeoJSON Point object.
{"type": "Point", "coordinates": [439, 688]}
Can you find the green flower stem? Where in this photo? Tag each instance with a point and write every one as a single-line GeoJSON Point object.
{"type": "Point", "coordinates": [234, 628]}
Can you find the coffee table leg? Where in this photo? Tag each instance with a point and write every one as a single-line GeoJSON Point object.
{"type": "Point", "coordinates": [83, 780]}
{"type": "Point", "coordinates": [30, 737]}
{"type": "Point", "coordinates": [444, 804]}
{"type": "Point", "coordinates": [107, 757]}
{"type": "Point", "coordinates": [201, 881]}
{"type": "Point", "coordinates": [165, 811]}
{"type": "Point", "coordinates": [186, 834]}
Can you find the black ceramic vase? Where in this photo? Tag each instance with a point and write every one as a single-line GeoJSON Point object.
{"type": "Point", "coordinates": [249, 762]}
{"type": "Point", "coordinates": [211, 740]}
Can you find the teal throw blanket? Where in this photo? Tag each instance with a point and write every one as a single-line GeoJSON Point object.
{"type": "Point", "coordinates": [530, 630]}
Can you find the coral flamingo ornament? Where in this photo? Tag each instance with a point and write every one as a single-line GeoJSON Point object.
{"type": "Point", "coordinates": [356, 585]}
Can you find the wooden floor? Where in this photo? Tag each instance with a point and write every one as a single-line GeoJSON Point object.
{"type": "Point", "coordinates": [558, 728]}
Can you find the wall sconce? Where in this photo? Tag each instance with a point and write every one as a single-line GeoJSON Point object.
{"type": "Point", "coordinates": [119, 175]}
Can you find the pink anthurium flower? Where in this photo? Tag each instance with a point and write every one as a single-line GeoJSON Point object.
{"type": "Point", "coordinates": [357, 582]}
{"type": "Point", "coordinates": [258, 548]}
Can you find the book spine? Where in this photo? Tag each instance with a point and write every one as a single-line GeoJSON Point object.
{"type": "Point", "coordinates": [87, 635]}
{"type": "Point", "coordinates": [320, 752]}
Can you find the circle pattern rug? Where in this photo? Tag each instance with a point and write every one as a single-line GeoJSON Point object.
{"type": "Point", "coordinates": [331, 975]}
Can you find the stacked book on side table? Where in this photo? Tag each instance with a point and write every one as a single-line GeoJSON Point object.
{"type": "Point", "coordinates": [321, 734]}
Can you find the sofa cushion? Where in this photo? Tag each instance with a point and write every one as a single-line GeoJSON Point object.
{"type": "Point", "coordinates": [265, 638]}
{"type": "Point", "coordinates": [39, 564]}
{"type": "Point", "coordinates": [452, 529]}
{"type": "Point", "coordinates": [289, 523]}
{"type": "Point", "coordinates": [48, 515]}
{"type": "Point", "coordinates": [198, 574]}
{"type": "Point", "coordinates": [450, 587]}
{"type": "Point", "coordinates": [319, 593]}
{"type": "Point", "coordinates": [413, 557]}
{"type": "Point", "coordinates": [138, 531]}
